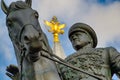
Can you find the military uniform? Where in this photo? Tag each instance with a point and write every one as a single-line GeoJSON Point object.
{"type": "Point", "coordinates": [102, 62]}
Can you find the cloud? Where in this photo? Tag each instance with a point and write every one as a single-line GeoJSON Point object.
{"type": "Point", "coordinates": [5, 43]}
{"type": "Point", "coordinates": [5, 47]}
{"type": "Point", "coordinates": [104, 19]}
{"type": "Point", "coordinates": [114, 42]}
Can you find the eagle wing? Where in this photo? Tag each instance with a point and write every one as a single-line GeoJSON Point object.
{"type": "Point", "coordinates": [48, 23]}
{"type": "Point", "coordinates": [62, 26]}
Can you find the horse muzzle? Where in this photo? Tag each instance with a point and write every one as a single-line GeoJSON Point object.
{"type": "Point", "coordinates": [34, 49]}
{"type": "Point", "coordinates": [32, 41]}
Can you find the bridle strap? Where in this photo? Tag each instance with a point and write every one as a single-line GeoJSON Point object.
{"type": "Point", "coordinates": [21, 31]}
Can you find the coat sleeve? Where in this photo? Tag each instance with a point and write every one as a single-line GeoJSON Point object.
{"type": "Point", "coordinates": [114, 61]}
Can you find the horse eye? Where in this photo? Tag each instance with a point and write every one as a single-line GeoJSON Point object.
{"type": "Point", "coordinates": [9, 23]}
{"type": "Point", "coordinates": [36, 14]}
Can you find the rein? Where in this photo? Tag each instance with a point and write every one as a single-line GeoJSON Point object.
{"type": "Point", "coordinates": [61, 61]}
{"type": "Point", "coordinates": [20, 46]}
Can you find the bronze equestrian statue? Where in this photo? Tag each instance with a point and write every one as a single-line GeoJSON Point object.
{"type": "Point", "coordinates": [29, 43]}
{"type": "Point", "coordinates": [102, 62]}
{"type": "Point", "coordinates": [36, 60]}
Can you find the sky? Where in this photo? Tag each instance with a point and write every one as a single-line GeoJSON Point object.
{"type": "Point", "coordinates": [102, 15]}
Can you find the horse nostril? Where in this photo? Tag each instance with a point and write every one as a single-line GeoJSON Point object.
{"type": "Point", "coordinates": [40, 34]}
{"type": "Point", "coordinates": [26, 38]}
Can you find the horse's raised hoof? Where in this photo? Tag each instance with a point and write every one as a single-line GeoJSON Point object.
{"type": "Point", "coordinates": [12, 72]}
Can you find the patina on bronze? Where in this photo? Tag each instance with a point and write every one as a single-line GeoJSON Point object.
{"type": "Point", "coordinates": [34, 54]}
{"type": "Point", "coordinates": [29, 41]}
{"type": "Point", "coordinates": [102, 62]}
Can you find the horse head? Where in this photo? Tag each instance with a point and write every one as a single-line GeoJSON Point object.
{"type": "Point", "coordinates": [24, 28]}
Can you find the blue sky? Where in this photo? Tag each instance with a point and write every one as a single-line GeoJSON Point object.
{"type": "Point", "coordinates": [102, 15]}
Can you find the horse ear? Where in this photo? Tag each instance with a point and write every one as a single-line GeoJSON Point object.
{"type": "Point", "coordinates": [29, 2]}
{"type": "Point", "coordinates": [4, 7]}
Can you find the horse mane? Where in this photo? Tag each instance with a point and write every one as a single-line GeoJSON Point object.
{"type": "Point", "coordinates": [17, 5]}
